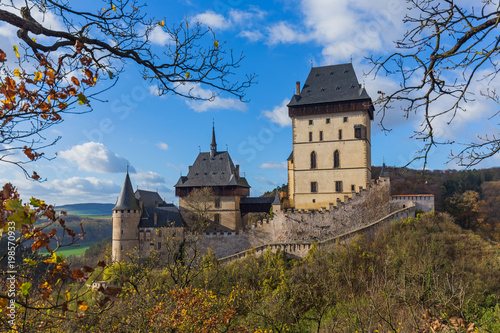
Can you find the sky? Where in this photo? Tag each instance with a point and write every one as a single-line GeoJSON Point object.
{"type": "Point", "coordinates": [160, 136]}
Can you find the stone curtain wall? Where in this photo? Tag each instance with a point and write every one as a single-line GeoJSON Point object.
{"type": "Point", "coordinates": [301, 249]}
{"type": "Point", "coordinates": [290, 226]}
{"type": "Point", "coordinates": [363, 208]}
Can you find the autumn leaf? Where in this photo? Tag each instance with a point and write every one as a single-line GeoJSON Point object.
{"type": "Point", "coordinates": [38, 76]}
{"type": "Point", "coordinates": [216, 44]}
{"type": "Point", "coordinates": [161, 23]}
{"type": "Point", "coordinates": [16, 50]}
{"type": "Point", "coordinates": [187, 75]}
{"type": "Point", "coordinates": [30, 262]}
{"type": "Point", "coordinates": [16, 72]}
{"type": "Point", "coordinates": [82, 99]}
{"type": "Point", "coordinates": [75, 81]}
{"type": "Point", "coordinates": [2, 56]}
{"type": "Point", "coordinates": [25, 288]}
{"type": "Point", "coordinates": [113, 7]}
{"type": "Point", "coordinates": [82, 305]}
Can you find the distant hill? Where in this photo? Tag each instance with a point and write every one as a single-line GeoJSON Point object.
{"type": "Point", "coordinates": [88, 209]}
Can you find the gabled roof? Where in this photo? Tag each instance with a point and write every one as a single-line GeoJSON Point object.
{"type": "Point", "coordinates": [168, 216]}
{"type": "Point", "coordinates": [126, 199]}
{"type": "Point", "coordinates": [208, 171]}
{"type": "Point", "coordinates": [149, 198]}
{"type": "Point", "coordinates": [327, 84]}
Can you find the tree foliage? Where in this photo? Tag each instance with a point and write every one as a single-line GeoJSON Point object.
{"type": "Point", "coordinates": [198, 208]}
{"type": "Point", "coordinates": [56, 64]}
{"type": "Point", "coordinates": [445, 61]}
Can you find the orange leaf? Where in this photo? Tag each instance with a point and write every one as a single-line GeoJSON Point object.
{"type": "Point", "coordinates": [75, 81]}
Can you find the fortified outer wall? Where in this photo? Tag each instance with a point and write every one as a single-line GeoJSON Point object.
{"type": "Point", "coordinates": [301, 249]}
{"type": "Point", "coordinates": [424, 202]}
{"type": "Point", "coordinates": [292, 226]}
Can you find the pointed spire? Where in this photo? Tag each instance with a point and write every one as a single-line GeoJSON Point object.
{"type": "Point", "coordinates": [127, 199]}
{"type": "Point", "coordinates": [213, 144]}
{"type": "Point", "coordinates": [384, 173]}
{"type": "Point", "coordinates": [277, 198]}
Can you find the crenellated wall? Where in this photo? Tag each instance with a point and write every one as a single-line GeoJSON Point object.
{"type": "Point", "coordinates": [293, 226]}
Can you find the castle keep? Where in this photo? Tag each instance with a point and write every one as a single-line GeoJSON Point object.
{"type": "Point", "coordinates": [331, 138]}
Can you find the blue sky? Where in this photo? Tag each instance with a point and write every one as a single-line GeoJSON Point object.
{"type": "Point", "coordinates": [159, 137]}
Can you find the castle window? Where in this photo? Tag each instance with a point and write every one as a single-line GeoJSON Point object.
{"type": "Point", "coordinates": [353, 188]}
{"type": "Point", "coordinates": [148, 236]}
{"type": "Point", "coordinates": [313, 160]}
{"type": "Point", "coordinates": [310, 136]}
{"type": "Point", "coordinates": [360, 132]}
{"type": "Point", "coordinates": [121, 247]}
{"type": "Point", "coordinates": [122, 231]}
{"type": "Point", "coordinates": [217, 203]}
{"type": "Point", "coordinates": [336, 159]}
{"type": "Point", "coordinates": [345, 119]}
{"type": "Point", "coordinates": [338, 186]}
{"type": "Point", "coordinates": [314, 187]}
{"type": "Point", "coordinates": [320, 135]}
{"type": "Point", "coordinates": [217, 218]}
{"type": "Point", "coordinates": [141, 236]}
{"type": "Point", "coordinates": [128, 211]}
{"type": "Point", "coordinates": [159, 233]}
{"type": "Point", "coordinates": [327, 120]}
{"type": "Point", "coordinates": [340, 134]}
{"type": "Point", "coordinates": [310, 122]}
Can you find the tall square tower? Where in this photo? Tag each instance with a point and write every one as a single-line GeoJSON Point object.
{"type": "Point", "coordinates": [331, 155]}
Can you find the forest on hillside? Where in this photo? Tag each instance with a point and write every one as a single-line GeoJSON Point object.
{"type": "Point", "coordinates": [388, 282]}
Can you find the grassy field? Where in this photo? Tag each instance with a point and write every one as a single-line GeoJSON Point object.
{"type": "Point", "coordinates": [69, 251]}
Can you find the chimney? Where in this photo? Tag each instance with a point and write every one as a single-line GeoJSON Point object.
{"type": "Point", "coordinates": [156, 217]}
{"type": "Point", "coordinates": [190, 168]}
{"type": "Point", "coordinates": [298, 87]}
{"type": "Point", "coordinates": [237, 171]}
{"type": "Point", "coordinates": [156, 203]}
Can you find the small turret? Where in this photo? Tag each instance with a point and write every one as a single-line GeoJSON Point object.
{"type": "Point", "coordinates": [276, 203]}
{"type": "Point", "coordinates": [384, 173]}
{"type": "Point", "coordinates": [126, 218]}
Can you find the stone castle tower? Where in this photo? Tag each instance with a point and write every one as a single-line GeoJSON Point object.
{"type": "Point", "coordinates": [331, 154]}
{"type": "Point", "coordinates": [126, 217]}
{"type": "Point", "coordinates": [216, 170]}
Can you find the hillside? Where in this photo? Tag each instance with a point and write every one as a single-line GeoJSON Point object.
{"type": "Point", "coordinates": [88, 209]}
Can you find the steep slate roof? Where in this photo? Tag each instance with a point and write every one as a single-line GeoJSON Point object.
{"type": "Point", "coordinates": [148, 198]}
{"type": "Point", "coordinates": [126, 199]}
{"type": "Point", "coordinates": [167, 216]}
{"type": "Point", "coordinates": [336, 83]}
{"type": "Point", "coordinates": [216, 171]}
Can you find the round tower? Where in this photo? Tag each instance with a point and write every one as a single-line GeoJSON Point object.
{"type": "Point", "coordinates": [126, 218]}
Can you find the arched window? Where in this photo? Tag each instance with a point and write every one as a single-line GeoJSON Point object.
{"type": "Point", "coordinates": [313, 160]}
{"type": "Point", "coordinates": [336, 159]}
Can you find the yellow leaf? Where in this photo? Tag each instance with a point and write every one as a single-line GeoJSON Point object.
{"type": "Point", "coordinates": [216, 44]}
{"type": "Point", "coordinates": [187, 75]}
{"type": "Point", "coordinates": [161, 23]}
{"type": "Point", "coordinates": [68, 296]}
{"type": "Point", "coordinates": [83, 306]}
{"type": "Point", "coordinates": [33, 39]}
{"type": "Point", "coordinates": [16, 72]}
{"type": "Point", "coordinates": [113, 7]}
{"type": "Point", "coordinates": [38, 76]}
{"type": "Point", "coordinates": [16, 50]}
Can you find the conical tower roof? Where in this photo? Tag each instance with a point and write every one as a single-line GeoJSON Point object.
{"type": "Point", "coordinates": [127, 199]}
{"type": "Point", "coordinates": [384, 173]}
{"type": "Point", "coordinates": [277, 198]}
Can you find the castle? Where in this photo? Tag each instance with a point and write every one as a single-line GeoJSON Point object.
{"type": "Point", "coordinates": [330, 186]}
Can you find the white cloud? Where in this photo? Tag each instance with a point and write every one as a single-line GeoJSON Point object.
{"type": "Point", "coordinates": [285, 33]}
{"type": "Point", "coordinates": [213, 20]}
{"type": "Point", "coordinates": [76, 186]}
{"type": "Point", "coordinates": [160, 37]}
{"type": "Point", "coordinates": [211, 102]}
{"type": "Point", "coordinates": [162, 145]}
{"type": "Point", "coordinates": [279, 114]}
{"type": "Point", "coordinates": [265, 181]}
{"type": "Point", "coordinates": [252, 35]}
{"type": "Point", "coordinates": [273, 165]}
{"type": "Point", "coordinates": [95, 157]}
